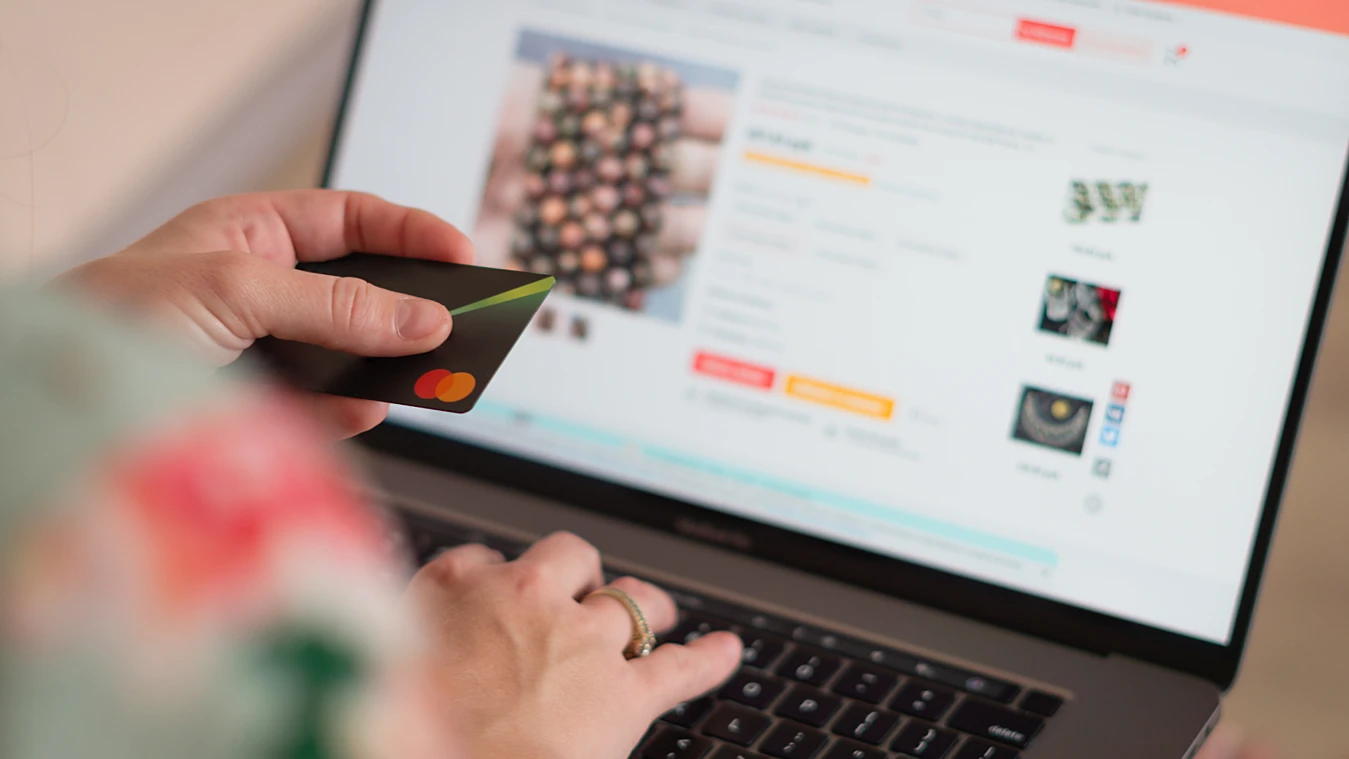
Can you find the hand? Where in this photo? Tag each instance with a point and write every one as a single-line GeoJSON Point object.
{"type": "Point", "coordinates": [221, 274]}
{"type": "Point", "coordinates": [1228, 743]}
{"type": "Point", "coordinates": [531, 667]}
{"type": "Point", "coordinates": [706, 115]}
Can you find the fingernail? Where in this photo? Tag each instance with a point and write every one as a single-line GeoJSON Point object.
{"type": "Point", "coordinates": [418, 318]}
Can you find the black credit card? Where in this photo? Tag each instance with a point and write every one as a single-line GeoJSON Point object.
{"type": "Point", "coordinates": [491, 309]}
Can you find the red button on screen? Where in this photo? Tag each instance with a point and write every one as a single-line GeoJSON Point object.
{"type": "Point", "coordinates": [1045, 34]}
{"type": "Point", "coordinates": [733, 371]}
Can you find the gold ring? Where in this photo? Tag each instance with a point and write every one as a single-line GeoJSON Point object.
{"type": "Point", "coordinates": [643, 641]}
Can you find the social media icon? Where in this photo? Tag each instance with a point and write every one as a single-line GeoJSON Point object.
{"type": "Point", "coordinates": [1114, 413]}
{"type": "Point", "coordinates": [1110, 436]}
{"type": "Point", "coordinates": [1120, 391]}
{"type": "Point", "coordinates": [1101, 468]}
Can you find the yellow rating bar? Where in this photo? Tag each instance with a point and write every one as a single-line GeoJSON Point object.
{"type": "Point", "coordinates": [802, 167]}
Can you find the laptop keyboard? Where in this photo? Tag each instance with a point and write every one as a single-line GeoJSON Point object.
{"type": "Point", "coordinates": [804, 692]}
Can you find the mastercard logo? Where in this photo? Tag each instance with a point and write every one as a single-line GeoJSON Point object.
{"type": "Point", "coordinates": [446, 385]}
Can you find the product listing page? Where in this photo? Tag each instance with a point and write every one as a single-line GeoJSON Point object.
{"type": "Point", "coordinates": [1018, 294]}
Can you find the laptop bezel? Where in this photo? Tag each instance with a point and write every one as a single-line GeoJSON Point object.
{"type": "Point", "coordinates": [986, 602]}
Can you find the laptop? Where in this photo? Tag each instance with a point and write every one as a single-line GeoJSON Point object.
{"type": "Point", "coordinates": [950, 351]}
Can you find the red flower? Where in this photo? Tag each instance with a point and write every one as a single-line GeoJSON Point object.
{"type": "Point", "coordinates": [217, 497]}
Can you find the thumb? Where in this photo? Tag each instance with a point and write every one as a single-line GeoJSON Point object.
{"type": "Point", "coordinates": [339, 313]}
{"type": "Point", "coordinates": [676, 673]}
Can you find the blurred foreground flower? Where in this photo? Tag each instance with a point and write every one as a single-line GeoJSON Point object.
{"type": "Point", "coordinates": [186, 567]}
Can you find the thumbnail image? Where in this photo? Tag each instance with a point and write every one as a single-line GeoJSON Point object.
{"type": "Point", "coordinates": [546, 319]}
{"type": "Point", "coordinates": [1105, 202]}
{"type": "Point", "coordinates": [602, 167]}
{"type": "Point", "coordinates": [1052, 419]}
{"type": "Point", "coordinates": [580, 327]}
{"type": "Point", "coordinates": [1078, 310]}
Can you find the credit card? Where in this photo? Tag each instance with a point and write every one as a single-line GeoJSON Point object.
{"type": "Point", "coordinates": [491, 309]}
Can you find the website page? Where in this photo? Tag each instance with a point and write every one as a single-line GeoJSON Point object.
{"type": "Point", "coordinates": [1014, 290]}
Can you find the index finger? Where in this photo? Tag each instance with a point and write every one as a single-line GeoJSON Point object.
{"type": "Point", "coordinates": [675, 673]}
{"type": "Point", "coordinates": [326, 224]}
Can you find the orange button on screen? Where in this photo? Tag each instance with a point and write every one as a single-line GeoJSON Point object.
{"type": "Point", "coordinates": [840, 397]}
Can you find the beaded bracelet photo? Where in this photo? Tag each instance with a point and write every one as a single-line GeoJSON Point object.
{"type": "Point", "coordinates": [599, 165]}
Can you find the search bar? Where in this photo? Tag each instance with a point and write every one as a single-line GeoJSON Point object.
{"type": "Point", "coordinates": [971, 22]}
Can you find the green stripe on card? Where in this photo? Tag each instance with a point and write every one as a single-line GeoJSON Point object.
{"type": "Point", "coordinates": [533, 288]}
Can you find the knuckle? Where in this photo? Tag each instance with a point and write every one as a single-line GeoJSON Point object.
{"type": "Point", "coordinates": [530, 579]}
{"type": "Point", "coordinates": [448, 568]}
{"type": "Point", "coordinates": [351, 301]}
{"type": "Point", "coordinates": [576, 544]}
{"type": "Point", "coordinates": [230, 274]}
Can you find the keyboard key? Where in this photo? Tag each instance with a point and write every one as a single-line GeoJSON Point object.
{"type": "Point", "coordinates": [979, 750]}
{"type": "Point", "coordinates": [870, 652]}
{"type": "Point", "coordinates": [650, 731]}
{"type": "Point", "coordinates": [919, 739]}
{"type": "Point", "coordinates": [909, 664]}
{"type": "Point", "coordinates": [731, 752]}
{"type": "Point", "coordinates": [890, 658]}
{"type": "Point", "coordinates": [923, 700]}
{"type": "Point", "coordinates": [816, 637]}
{"type": "Point", "coordinates": [966, 680]}
{"type": "Point", "coordinates": [809, 666]}
{"type": "Point", "coordinates": [994, 722]}
{"type": "Point", "coordinates": [673, 743]}
{"type": "Point", "coordinates": [808, 705]}
{"type": "Point", "coordinates": [850, 750]}
{"type": "Point", "coordinates": [791, 741]}
{"type": "Point", "coordinates": [752, 689]}
{"type": "Point", "coordinates": [736, 724]}
{"type": "Point", "coordinates": [990, 689]}
{"type": "Point", "coordinates": [729, 611]}
{"type": "Point", "coordinates": [761, 649]}
{"type": "Point", "coordinates": [865, 724]}
{"type": "Point", "coordinates": [865, 684]}
{"type": "Point", "coordinates": [688, 712]}
{"type": "Point", "coordinates": [1041, 703]}
{"type": "Point", "coordinates": [693, 627]}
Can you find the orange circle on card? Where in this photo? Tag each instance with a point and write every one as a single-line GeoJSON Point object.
{"type": "Point", "coordinates": [455, 387]}
{"type": "Point", "coordinates": [427, 383]}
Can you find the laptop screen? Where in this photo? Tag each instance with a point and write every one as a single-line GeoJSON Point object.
{"type": "Point", "coordinates": [1015, 290]}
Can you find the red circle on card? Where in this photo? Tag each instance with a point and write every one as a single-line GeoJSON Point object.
{"type": "Point", "coordinates": [427, 384]}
